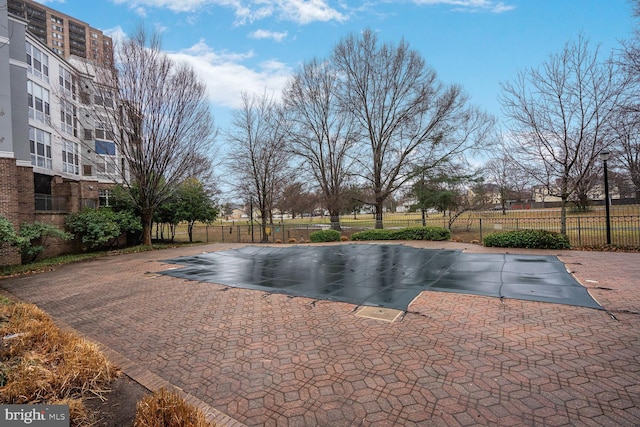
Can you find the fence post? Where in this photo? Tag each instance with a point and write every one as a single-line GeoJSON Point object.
{"type": "Point", "coordinates": [579, 233]}
{"type": "Point", "coordinates": [222, 232]}
{"type": "Point", "coordinates": [206, 232]}
{"type": "Point", "coordinates": [481, 231]}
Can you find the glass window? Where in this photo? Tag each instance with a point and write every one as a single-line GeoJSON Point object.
{"type": "Point", "coordinates": [67, 82]}
{"type": "Point", "coordinates": [67, 117]}
{"type": "Point", "coordinates": [38, 62]}
{"type": "Point", "coordinates": [40, 145]}
{"type": "Point", "coordinates": [104, 196]}
{"type": "Point", "coordinates": [70, 158]}
{"type": "Point", "coordinates": [104, 131]}
{"type": "Point", "coordinates": [106, 157]}
{"type": "Point", "coordinates": [105, 147]}
{"type": "Point", "coordinates": [38, 100]}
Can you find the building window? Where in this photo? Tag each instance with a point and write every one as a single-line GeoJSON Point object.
{"type": "Point", "coordinates": [104, 196]}
{"type": "Point", "coordinates": [40, 146]}
{"type": "Point", "coordinates": [104, 131]}
{"type": "Point", "coordinates": [104, 99]}
{"type": "Point", "coordinates": [38, 63]}
{"type": "Point", "coordinates": [67, 82]}
{"type": "Point", "coordinates": [56, 19]}
{"type": "Point", "coordinates": [67, 117]}
{"type": "Point", "coordinates": [57, 28]}
{"type": "Point", "coordinates": [70, 158]}
{"type": "Point", "coordinates": [106, 157]}
{"type": "Point", "coordinates": [38, 100]}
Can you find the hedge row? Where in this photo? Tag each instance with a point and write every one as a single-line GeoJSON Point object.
{"type": "Point", "coordinates": [531, 239]}
{"type": "Point", "coordinates": [411, 233]}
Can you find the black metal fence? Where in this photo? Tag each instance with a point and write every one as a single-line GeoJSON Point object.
{"type": "Point", "coordinates": [49, 203]}
{"type": "Point", "coordinates": [587, 229]}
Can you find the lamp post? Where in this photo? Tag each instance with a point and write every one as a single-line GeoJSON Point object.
{"type": "Point", "coordinates": [604, 156]}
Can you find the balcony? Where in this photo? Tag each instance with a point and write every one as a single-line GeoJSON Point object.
{"type": "Point", "coordinates": [49, 203]}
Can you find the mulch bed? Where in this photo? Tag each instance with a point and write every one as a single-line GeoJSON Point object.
{"type": "Point", "coordinates": [119, 408]}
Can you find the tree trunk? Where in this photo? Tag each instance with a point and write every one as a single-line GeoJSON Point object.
{"type": "Point", "coordinates": [190, 230]}
{"type": "Point", "coordinates": [379, 224]}
{"type": "Point", "coordinates": [563, 216]}
{"type": "Point", "coordinates": [334, 216]}
{"type": "Point", "coordinates": [265, 235]}
{"type": "Point", "coordinates": [424, 216]}
{"type": "Point", "coordinates": [147, 220]}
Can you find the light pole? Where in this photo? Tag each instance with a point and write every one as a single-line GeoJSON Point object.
{"type": "Point", "coordinates": [604, 156]}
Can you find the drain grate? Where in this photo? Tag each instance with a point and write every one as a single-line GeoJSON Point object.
{"type": "Point", "coordinates": [379, 313]}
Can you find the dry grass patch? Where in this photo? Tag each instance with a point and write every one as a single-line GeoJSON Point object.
{"type": "Point", "coordinates": [167, 409]}
{"type": "Point", "coordinates": [43, 364]}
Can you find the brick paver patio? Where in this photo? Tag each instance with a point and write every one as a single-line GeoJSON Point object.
{"type": "Point", "coordinates": [452, 359]}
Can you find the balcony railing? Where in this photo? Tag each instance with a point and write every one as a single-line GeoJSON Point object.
{"type": "Point", "coordinates": [49, 203]}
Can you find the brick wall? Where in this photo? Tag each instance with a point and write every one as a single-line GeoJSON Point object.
{"type": "Point", "coordinates": [26, 200]}
{"type": "Point", "coordinates": [9, 206]}
{"type": "Point", "coordinates": [54, 247]}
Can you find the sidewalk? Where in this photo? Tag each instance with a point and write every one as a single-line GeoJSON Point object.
{"type": "Point", "coordinates": [452, 359]}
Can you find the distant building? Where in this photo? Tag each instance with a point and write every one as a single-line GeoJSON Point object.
{"type": "Point", "coordinates": [56, 154]}
{"type": "Point", "coordinates": [62, 33]}
{"type": "Point", "coordinates": [542, 194]}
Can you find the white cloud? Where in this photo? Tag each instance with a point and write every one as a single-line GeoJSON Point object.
{"type": "Point", "coordinates": [176, 6]}
{"type": "Point", "coordinates": [117, 34]}
{"type": "Point", "coordinates": [226, 75]}
{"type": "Point", "coordinates": [306, 11]}
{"type": "Point", "coordinates": [299, 11]}
{"type": "Point", "coordinates": [471, 5]}
{"type": "Point", "coordinates": [141, 11]}
{"type": "Point", "coordinates": [501, 7]}
{"type": "Point", "coordinates": [264, 34]}
{"type": "Point", "coordinates": [159, 28]}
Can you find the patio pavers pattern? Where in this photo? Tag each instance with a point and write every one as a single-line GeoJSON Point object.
{"type": "Point", "coordinates": [452, 359]}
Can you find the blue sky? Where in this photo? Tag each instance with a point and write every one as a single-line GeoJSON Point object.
{"type": "Point", "coordinates": [251, 45]}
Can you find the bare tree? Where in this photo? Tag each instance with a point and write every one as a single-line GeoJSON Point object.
{"type": "Point", "coordinates": [498, 172]}
{"type": "Point", "coordinates": [258, 159]}
{"type": "Point", "coordinates": [627, 123]}
{"type": "Point", "coordinates": [157, 113]}
{"type": "Point", "coordinates": [559, 117]}
{"type": "Point", "coordinates": [319, 132]}
{"type": "Point", "coordinates": [295, 199]}
{"type": "Point", "coordinates": [504, 171]}
{"type": "Point", "coordinates": [402, 112]}
{"type": "Point", "coordinates": [627, 132]}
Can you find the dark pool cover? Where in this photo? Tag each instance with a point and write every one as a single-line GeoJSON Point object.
{"type": "Point", "coordinates": [384, 275]}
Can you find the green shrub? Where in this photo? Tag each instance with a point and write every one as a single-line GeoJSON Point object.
{"type": "Point", "coordinates": [374, 234]}
{"type": "Point", "coordinates": [7, 233]}
{"type": "Point", "coordinates": [532, 239]}
{"type": "Point", "coordinates": [100, 227]}
{"type": "Point", "coordinates": [411, 233]}
{"type": "Point", "coordinates": [325, 236]}
{"type": "Point", "coordinates": [32, 239]}
{"type": "Point", "coordinates": [422, 233]}
{"type": "Point", "coordinates": [35, 237]}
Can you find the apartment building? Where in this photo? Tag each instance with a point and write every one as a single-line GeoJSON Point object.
{"type": "Point", "coordinates": [63, 34]}
{"type": "Point", "coordinates": [57, 151]}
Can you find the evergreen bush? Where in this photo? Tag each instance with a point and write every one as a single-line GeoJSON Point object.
{"type": "Point", "coordinates": [531, 239]}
